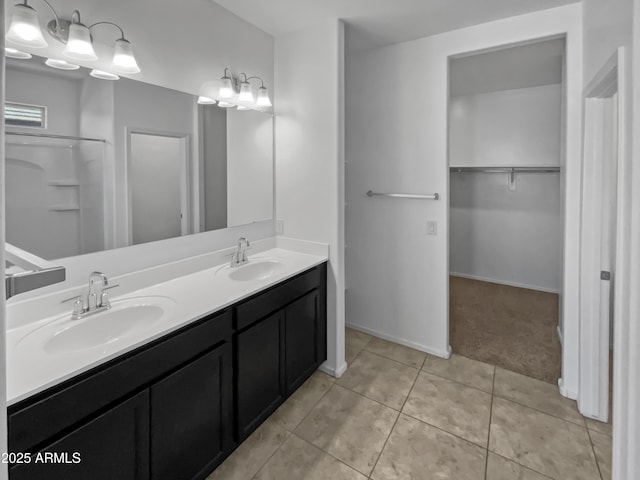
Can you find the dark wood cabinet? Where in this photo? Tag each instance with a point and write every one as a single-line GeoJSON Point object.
{"type": "Point", "coordinates": [115, 445]}
{"type": "Point", "coordinates": [191, 417]}
{"type": "Point", "coordinates": [259, 371]}
{"type": "Point", "coordinates": [175, 408]}
{"type": "Point", "coordinates": [302, 325]}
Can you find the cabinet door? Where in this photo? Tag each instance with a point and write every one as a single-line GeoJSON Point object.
{"type": "Point", "coordinates": [190, 417]}
{"type": "Point", "coordinates": [302, 330]}
{"type": "Point", "coordinates": [114, 445]}
{"type": "Point", "coordinates": [259, 367]}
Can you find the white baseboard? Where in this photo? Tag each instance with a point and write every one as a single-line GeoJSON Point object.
{"type": "Point", "coordinates": [560, 335]}
{"type": "Point", "coordinates": [445, 353]}
{"type": "Point", "coordinates": [334, 372]}
{"type": "Point", "coordinates": [566, 393]}
{"type": "Point", "coordinates": [503, 282]}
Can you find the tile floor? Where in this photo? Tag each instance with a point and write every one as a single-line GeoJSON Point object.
{"type": "Point", "coordinates": [401, 414]}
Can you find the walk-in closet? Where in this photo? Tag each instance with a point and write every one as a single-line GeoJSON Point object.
{"type": "Point", "coordinates": [506, 203]}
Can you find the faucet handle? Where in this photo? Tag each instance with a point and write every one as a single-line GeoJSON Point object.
{"type": "Point", "coordinates": [104, 296]}
{"type": "Point", "coordinates": [78, 305]}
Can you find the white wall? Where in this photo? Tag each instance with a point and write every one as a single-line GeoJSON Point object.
{"type": "Point", "coordinates": [397, 275]}
{"type": "Point", "coordinates": [249, 167]}
{"type": "Point", "coordinates": [506, 237]}
{"type": "Point", "coordinates": [309, 155]}
{"type": "Point", "coordinates": [510, 127]}
{"type": "Point", "coordinates": [511, 237]}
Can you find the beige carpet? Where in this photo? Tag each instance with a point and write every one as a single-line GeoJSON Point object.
{"type": "Point", "coordinates": [513, 328]}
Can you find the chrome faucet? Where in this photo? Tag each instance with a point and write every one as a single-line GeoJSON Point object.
{"type": "Point", "coordinates": [240, 256]}
{"type": "Point", "coordinates": [96, 301]}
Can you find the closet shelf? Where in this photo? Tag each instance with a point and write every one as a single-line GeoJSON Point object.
{"type": "Point", "coordinates": [64, 183]}
{"type": "Point", "coordinates": [64, 207]}
{"type": "Point", "coordinates": [504, 169]}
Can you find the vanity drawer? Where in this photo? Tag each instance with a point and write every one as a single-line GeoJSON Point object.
{"type": "Point", "coordinates": [48, 414]}
{"type": "Point", "coordinates": [277, 297]}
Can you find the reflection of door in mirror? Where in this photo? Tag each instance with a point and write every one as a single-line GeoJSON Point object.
{"type": "Point", "coordinates": [157, 186]}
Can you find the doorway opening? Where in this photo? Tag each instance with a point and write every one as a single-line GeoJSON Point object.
{"type": "Point", "coordinates": [506, 159]}
{"type": "Point", "coordinates": [158, 186]}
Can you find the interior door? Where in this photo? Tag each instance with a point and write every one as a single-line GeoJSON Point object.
{"type": "Point", "coordinates": [157, 187]}
{"type": "Point", "coordinates": [608, 223]}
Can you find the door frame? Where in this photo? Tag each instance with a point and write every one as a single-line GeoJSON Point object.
{"type": "Point", "coordinates": [594, 330]}
{"type": "Point", "coordinates": [185, 172]}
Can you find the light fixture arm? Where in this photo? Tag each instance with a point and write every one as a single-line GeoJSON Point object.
{"type": "Point", "coordinates": [55, 14]}
{"type": "Point", "coordinates": [112, 24]}
{"type": "Point", "coordinates": [256, 78]}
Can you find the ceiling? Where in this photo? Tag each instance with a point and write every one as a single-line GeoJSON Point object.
{"type": "Point", "coordinates": [374, 23]}
{"type": "Point", "coordinates": [523, 66]}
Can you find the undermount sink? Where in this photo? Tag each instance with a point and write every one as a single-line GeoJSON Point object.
{"type": "Point", "coordinates": [126, 318]}
{"type": "Point", "coordinates": [257, 269]}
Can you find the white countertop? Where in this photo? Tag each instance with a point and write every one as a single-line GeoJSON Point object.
{"type": "Point", "coordinates": [31, 370]}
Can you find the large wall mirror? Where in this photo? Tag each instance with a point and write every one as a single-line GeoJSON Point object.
{"type": "Point", "coordinates": [94, 164]}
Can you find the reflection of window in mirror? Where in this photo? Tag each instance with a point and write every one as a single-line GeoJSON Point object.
{"type": "Point", "coordinates": [23, 115]}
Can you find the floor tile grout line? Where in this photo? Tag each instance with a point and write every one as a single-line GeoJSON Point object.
{"type": "Point", "coordinates": [389, 359]}
{"type": "Point", "coordinates": [443, 430]}
{"type": "Point", "coordinates": [501, 397]}
{"type": "Point", "coordinates": [521, 465]}
{"type": "Point", "coordinates": [290, 432]}
{"type": "Point", "coordinates": [456, 381]}
{"type": "Point", "coordinates": [368, 398]}
{"type": "Point", "coordinates": [273, 454]}
{"type": "Point", "coordinates": [595, 457]}
{"type": "Point", "coordinates": [312, 408]}
{"type": "Point", "coordinates": [330, 454]}
{"type": "Point", "coordinates": [375, 464]}
{"type": "Point", "coordinates": [493, 389]}
{"type": "Point", "coordinates": [395, 360]}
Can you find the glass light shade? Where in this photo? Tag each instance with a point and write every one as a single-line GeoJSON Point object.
{"type": "Point", "coordinates": [79, 46]}
{"type": "Point", "coordinates": [61, 64]}
{"type": "Point", "coordinates": [13, 53]}
{"type": "Point", "coordinates": [102, 75]}
{"type": "Point", "coordinates": [246, 95]}
{"type": "Point", "coordinates": [123, 59]}
{"type": "Point", "coordinates": [25, 28]}
{"type": "Point", "coordinates": [226, 88]}
{"type": "Point", "coordinates": [206, 100]}
{"type": "Point", "coordinates": [263, 98]}
{"type": "Point", "coordinates": [225, 104]}
{"type": "Point", "coordinates": [243, 107]}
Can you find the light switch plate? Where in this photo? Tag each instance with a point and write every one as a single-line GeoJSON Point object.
{"type": "Point", "coordinates": [279, 227]}
{"type": "Point", "coordinates": [432, 227]}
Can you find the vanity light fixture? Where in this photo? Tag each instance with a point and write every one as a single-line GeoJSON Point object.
{"type": "Point", "coordinates": [79, 46]}
{"type": "Point", "coordinates": [230, 86]}
{"type": "Point", "coordinates": [225, 104]}
{"type": "Point", "coordinates": [206, 100]}
{"type": "Point", "coordinates": [61, 64]}
{"type": "Point", "coordinates": [226, 85]}
{"type": "Point", "coordinates": [25, 30]}
{"type": "Point", "coordinates": [102, 75]}
{"type": "Point", "coordinates": [13, 53]}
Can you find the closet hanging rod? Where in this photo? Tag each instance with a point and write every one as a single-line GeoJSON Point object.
{"type": "Point", "coordinates": [60, 137]}
{"type": "Point", "coordinates": [433, 196]}
{"type": "Point", "coordinates": [505, 169]}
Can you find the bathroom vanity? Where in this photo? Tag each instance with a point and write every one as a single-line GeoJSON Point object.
{"type": "Point", "coordinates": [176, 406]}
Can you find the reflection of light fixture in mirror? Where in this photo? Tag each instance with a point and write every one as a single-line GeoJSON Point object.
{"type": "Point", "coordinates": [242, 107]}
{"type": "Point", "coordinates": [206, 100]}
{"type": "Point", "coordinates": [226, 85]}
{"type": "Point", "coordinates": [225, 104]}
{"type": "Point", "coordinates": [79, 45]}
{"type": "Point", "coordinates": [60, 64]}
{"type": "Point", "coordinates": [13, 53]}
{"type": "Point", "coordinates": [25, 27]}
{"type": "Point", "coordinates": [102, 75]}
{"type": "Point", "coordinates": [246, 95]}
{"type": "Point", "coordinates": [123, 59]}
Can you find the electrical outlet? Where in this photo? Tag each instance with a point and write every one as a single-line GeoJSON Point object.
{"type": "Point", "coordinates": [432, 227]}
{"type": "Point", "coordinates": [279, 227]}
